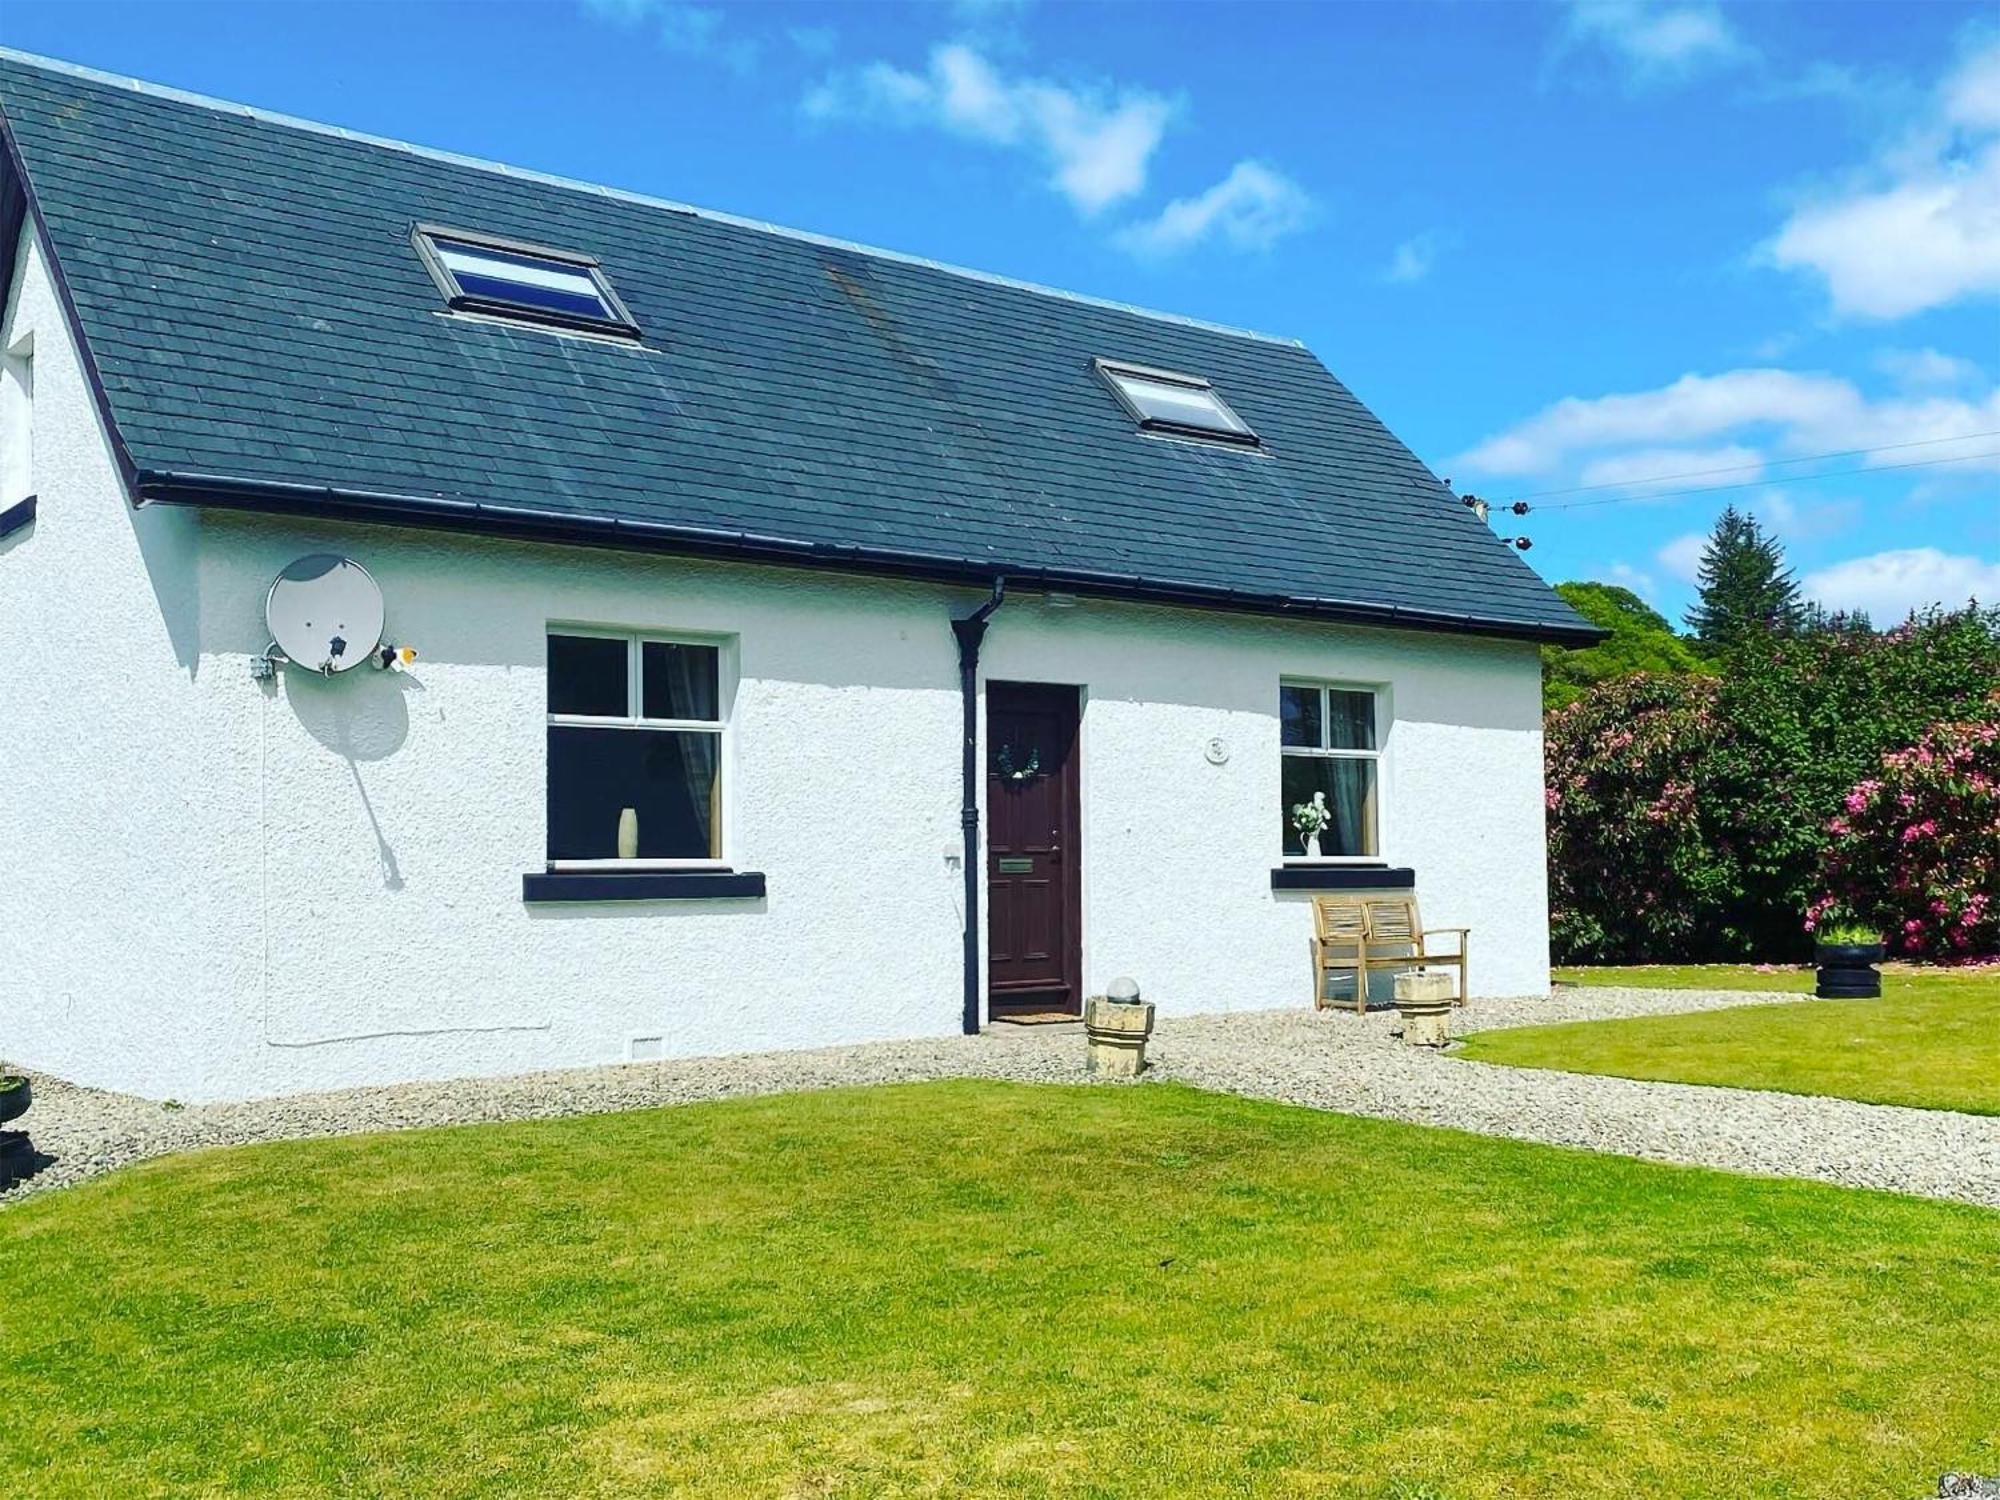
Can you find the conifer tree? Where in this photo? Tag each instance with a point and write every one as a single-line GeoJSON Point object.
{"type": "Point", "coordinates": [1746, 589]}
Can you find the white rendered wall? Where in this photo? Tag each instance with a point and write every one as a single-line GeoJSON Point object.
{"type": "Point", "coordinates": [101, 972]}
{"type": "Point", "coordinates": [368, 834]}
{"type": "Point", "coordinates": [217, 888]}
{"type": "Point", "coordinates": [1178, 852]}
{"type": "Point", "coordinates": [372, 830]}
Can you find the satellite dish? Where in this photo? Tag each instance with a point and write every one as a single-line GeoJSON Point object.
{"type": "Point", "coordinates": [325, 613]}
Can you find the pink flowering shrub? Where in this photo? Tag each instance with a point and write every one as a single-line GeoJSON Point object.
{"type": "Point", "coordinates": [1691, 818]}
{"type": "Point", "coordinates": [1630, 874]}
{"type": "Point", "coordinates": [1915, 848]}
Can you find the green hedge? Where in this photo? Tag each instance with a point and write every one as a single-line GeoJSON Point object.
{"type": "Point", "coordinates": [1688, 816]}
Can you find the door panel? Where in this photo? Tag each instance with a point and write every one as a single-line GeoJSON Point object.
{"type": "Point", "coordinates": [1034, 870]}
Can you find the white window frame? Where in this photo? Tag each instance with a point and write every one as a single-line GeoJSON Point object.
{"type": "Point", "coordinates": [1114, 371]}
{"type": "Point", "coordinates": [722, 728]}
{"type": "Point", "coordinates": [618, 320]}
{"type": "Point", "coordinates": [17, 422]}
{"type": "Point", "coordinates": [1378, 694]}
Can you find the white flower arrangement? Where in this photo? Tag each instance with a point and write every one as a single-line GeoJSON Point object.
{"type": "Point", "coordinates": [1311, 818]}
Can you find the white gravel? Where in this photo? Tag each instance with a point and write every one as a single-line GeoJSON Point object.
{"type": "Point", "coordinates": [1331, 1060]}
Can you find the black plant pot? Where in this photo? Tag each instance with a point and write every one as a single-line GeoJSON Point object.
{"type": "Point", "coordinates": [14, 1101]}
{"type": "Point", "coordinates": [1847, 971]}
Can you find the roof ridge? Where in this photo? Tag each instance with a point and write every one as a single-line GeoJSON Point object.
{"type": "Point", "coordinates": [574, 184]}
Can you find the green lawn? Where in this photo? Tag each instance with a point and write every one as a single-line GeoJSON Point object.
{"type": "Point", "coordinates": [976, 1288]}
{"type": "Point", "coordinates": [1932, 1040]}
{"type": "Point", "coordinates": [1777, 977]}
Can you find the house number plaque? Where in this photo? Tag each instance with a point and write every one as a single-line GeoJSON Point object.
{"type": "Point", "coordinates": [1016, 866]}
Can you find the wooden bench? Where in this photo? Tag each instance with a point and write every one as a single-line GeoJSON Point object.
{"type": "Point", "coordinates": [1364, 934]}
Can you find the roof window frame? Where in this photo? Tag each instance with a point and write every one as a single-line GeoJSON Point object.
{"type": "Point", "coordinates": [620, 323]}
{"type": "Point", "coordinates": [1109, 371]}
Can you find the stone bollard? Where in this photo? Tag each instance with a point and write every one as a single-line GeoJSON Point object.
{"type": "Point", "coordinates": [1424, 1002]}
{"type": "Point", "coordinates": [1116, 1027]}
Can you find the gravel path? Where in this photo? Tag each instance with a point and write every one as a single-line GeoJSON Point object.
{"type": "Point", "coordinates": [1331, 1060]}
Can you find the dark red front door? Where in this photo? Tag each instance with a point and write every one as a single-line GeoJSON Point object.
{"type": "Point", "coordinates": [1034, 873]}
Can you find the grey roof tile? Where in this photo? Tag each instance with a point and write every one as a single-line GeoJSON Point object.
{"type": "Point", "coordinates": [248, 290]}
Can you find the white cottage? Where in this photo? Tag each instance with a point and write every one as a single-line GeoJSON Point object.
{"type": "Point", "coordinates": [813, 644]}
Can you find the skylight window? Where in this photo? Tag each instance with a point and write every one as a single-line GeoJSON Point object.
{"type": "Point", "coordinates": [505, 278]}
{"type": "Point", "coordinates": [1187, 405]}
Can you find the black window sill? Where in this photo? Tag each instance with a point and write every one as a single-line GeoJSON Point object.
{"type": "Point", "coordinates": [14, 517]}
{"type": "Point", "coordinates": [1342, 878]}
{"type": "Point", "coordinates": [642, 885]}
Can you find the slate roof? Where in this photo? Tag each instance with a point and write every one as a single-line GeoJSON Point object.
{"type": "Point", "coordinates": [264, 335]}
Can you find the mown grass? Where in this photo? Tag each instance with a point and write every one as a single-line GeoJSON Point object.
{"type": "Point", "coordinates": [977, 1288]}
{"type": "Point", "coordinates": [1776, 978]}
{"type": "Point", "coordinates": [1932, 1040]}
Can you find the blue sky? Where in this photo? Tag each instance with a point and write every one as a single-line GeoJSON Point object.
{"type": "Point", "coordinates": [1562, 249]}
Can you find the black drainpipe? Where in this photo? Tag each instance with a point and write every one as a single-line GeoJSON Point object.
{"type": "Point", "coordinates": [970, 632]}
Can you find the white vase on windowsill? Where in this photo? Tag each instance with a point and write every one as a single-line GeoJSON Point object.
{"type": "Point", "coordinates": [628, 833]}
{"type": "Point", "coordinates": [1312, 846]}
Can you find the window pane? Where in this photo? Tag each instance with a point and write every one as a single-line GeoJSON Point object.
{"type": "Point", "coordinates": [524, 279]}
{"type": "Point", "coordinates": [680, 682]}
{"type": "Point", "coordinates": [1350, 720]}
{"type": "Point", "coordinates": [1299, 716]}
{"type": "Point", "coordinates": [1181, 405]}
{"type": "Point", "coordinates": [587, 675]}
{"type": "Point", "coordinates": [666, 776]}
{"type": "Point", "coordinates": [1349, 789]}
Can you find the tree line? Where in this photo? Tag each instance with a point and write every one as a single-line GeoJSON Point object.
{"type": "Point", "coordinates": [1719, 794]}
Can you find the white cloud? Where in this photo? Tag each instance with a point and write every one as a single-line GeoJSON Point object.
{"type": "Point", "coordinates": [1803, 413]}
{"type": "Point", "coordinates": [1801, 519]}
{"type": "Point", "coordinates": [1659, 468]}
{"type": "Point", "coordinates": [1416, 256]}
{"type": "Point", "coordinates": [814, 41]}
{"type": "Point", "coordinates": [1920, 243]}
{"type": "Point", "coordinates": [1096, 144]}
{"type": "Point", "coordinates": [1635, 579]}
{"type": "Point", "coordinates": [1927, 367]}
{"type": "Point", "coordinates": [1656, 43]}
{"type": "Point", "coordinates": [1251, 209]}
{"type": "Point", "coordinates": [1888, 585]}
{"type": "Point", "coordinates": [1682, 556]}
{"type": "Point", "coordinates": [1920, 227]}
{"type": "Point", "coordinates": [1693, 408]}
{"type": "Point", "coordinates": [694, 30]}
{"type": "Point", "coordinates": [1972, 92]}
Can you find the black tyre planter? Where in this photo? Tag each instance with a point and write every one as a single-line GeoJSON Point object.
{"type": "Point", "coordinates": [1847, 971]}
{"type": "Point", "coordinates": [18, 1159]}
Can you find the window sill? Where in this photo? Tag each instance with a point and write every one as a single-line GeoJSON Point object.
{"type": "Point", "coordinates": [642, 885]}
{"type": "Point", "coordinates": [1331, 877]}
{"type": "Point", "coordinates": [14, 517]}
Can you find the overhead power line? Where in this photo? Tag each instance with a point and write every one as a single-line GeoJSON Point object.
{"type": "Point", "coordinates": [1806, 458]}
